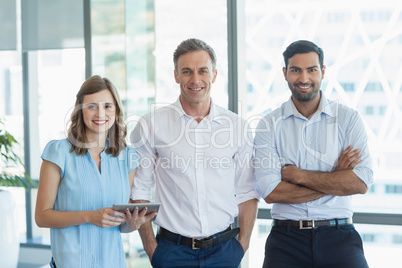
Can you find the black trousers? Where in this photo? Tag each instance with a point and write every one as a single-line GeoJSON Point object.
{"type": "Point", "coordinates": [323, 247]}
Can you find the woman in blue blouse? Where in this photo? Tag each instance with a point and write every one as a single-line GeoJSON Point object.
{"type": "Point", "coordinates": [83, 176]}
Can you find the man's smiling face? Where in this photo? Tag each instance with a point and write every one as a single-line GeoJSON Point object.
{"type": "Point", "coordinates": [304, 76]}
{"type": "Point", "coordinates": [195, 74]}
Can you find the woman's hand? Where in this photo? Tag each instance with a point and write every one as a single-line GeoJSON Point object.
{"type": "Point", "coordinates": [136, 219]}
{"type": "Point", "coordinates": [106, 217]}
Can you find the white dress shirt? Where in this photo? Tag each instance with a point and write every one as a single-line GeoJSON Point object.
{"type": "Point", "coordinates": [286, 137]}
{"type": "Point", "coordinates": [202, 170]}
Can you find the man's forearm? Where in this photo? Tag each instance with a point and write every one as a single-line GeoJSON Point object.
{"type": "Point", "coordinates": [340, 183]}
{"type": "Point", "coordinates": [247, 216]}
{"type": "Point", "coordinates": [289, 193]}
{"type": "Point", "coordinates": [148, 238]}
{"type": "Point", "coordinates": [147, 234]}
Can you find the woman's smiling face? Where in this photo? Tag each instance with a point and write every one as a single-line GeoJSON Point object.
{"type": "Point", "coordinates": [99, 112]}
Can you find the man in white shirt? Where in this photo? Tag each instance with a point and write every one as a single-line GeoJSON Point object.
{"type": "Point", "coordinates": [319, 158]}
{"type": "Point", "coordinates": [200, 157]}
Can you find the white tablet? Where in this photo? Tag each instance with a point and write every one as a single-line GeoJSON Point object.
{"type": "Point", "coordinates": [151, 207]}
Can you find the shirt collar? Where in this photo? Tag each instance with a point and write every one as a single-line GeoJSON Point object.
{"type": "Point", "coordinates": [325, 106]}
{"type": "Point", "coordinates": [178, 109]}
{"type": "Point", "coordinates": [328, 107]}
{"type": "Point", "coordinates": [214, 113]}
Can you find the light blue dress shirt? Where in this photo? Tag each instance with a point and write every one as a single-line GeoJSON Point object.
{"type": "Point", "coordinates": [286, 137]}
{"type": "Point", "coordinates": [83, 187]}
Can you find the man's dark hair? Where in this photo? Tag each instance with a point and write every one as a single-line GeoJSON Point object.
{"type": "Point", "coordinates": [302, 47]}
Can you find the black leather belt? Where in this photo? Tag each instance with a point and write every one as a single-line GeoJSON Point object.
{"type": "Point", "coordinates": [200, 242]}
{"type": "Point", "coordinates": [310, 224]}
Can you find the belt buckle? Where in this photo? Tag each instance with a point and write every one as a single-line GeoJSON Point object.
{"type": "Point", "coordinates": [301, 226]}
{"type": "Point", "coordinates": [193, 240]}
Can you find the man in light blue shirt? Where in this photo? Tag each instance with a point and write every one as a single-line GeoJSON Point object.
{"type": "Point", "coordinates": [311, 157]}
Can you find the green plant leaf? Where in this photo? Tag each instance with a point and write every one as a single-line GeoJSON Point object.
{"type": "Point", "coordinates": [8, 157]}
{"type": "Point", "coordinates": [21, 182]}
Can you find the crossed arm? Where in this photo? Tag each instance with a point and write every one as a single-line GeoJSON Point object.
{"type": "Point", "coordinates": [298, 186]}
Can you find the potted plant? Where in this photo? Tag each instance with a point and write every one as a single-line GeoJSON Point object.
{"type": "Point", "coordinates": [12, 173]}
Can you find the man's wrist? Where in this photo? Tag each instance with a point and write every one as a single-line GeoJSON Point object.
{"type": "Point", "coordinates": [150, 247]}
{"type": "Point", "coordinates": [244, 244]}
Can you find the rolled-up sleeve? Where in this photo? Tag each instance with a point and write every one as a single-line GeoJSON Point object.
{"type": "Point", "coordinates": [356, 135]}
{"type": "Point", "coordinates": [267, 162]}
{"type": "Point", "coordinates": [245, 177]}
{"type": "Point", "coordinates": [144, 180]}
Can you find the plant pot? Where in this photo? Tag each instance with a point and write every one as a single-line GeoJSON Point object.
{"type": "Point", "coordinates": [9, 239]}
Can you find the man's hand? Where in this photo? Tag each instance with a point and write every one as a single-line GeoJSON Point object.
{"type": "Point", "coordinates": [136, 219]}
{"type": "Point", "coordinates": [290, 173]}
{"type": "Point", "coordinates": [348, 159]}
{"type": "Point", "coordinates": [246, 218]}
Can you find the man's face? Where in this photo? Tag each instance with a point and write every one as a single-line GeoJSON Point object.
{"type": "Point", "coordinates": [195, 74]}
{"type": "Point", "coordinates": [304, 76]}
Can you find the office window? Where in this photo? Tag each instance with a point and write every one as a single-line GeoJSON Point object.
{"type": "Point", "coordinates": [53, 59]}
{"type": "Point", "coordinates": [393, 189]}
{"type": "Point", "coordinates": [348, 87]}
{"type": "Point", "coordinates": [373, 87]}
{"type": "Point", "coordinates": [179, 20]}
{"type": "Point", "coordinates": [60, 75]}
{"type": "Point", "coordinates": [397, 239]}
{"type": "Point", "coordinates": [8, 22]}
{"type": "Point", "coordinates": [373, 189]}
{"type": "Point", "coordinates": [12, 115]}
{"type": "Point", "coordinates": [382, 110]}
{"type": "Point", "coordinates": [379, 244]}
{"type": "Point", "coordinates": [368, 238]}
{"type": "Point", "coordinates": [48, 24]}
{"type": "Point", "coordinates": [259, 236]}
{"type": "Point", "coordinates": [369, 110]}
{"type": "Point", "coordinates": [336, 17]}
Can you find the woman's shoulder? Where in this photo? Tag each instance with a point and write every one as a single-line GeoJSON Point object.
{"type": "Point", "coordinates": [57, 151]}
{"type": "Point", "coordinates": [57, 145]}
